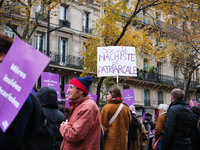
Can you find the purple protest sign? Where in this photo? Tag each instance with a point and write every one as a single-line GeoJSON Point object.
{"type": "Point", "coordinates": [153, 131]}
{"type": "Point", "coordinates": [128, 97]}
{"type": "Point", "coordinates": [93, 97]}
{"type": "Point", "coordinates": [19, 71]}
{"type": "Point", "coordinates": [66, 96]}
{"type": "Point", "coordinates": [52, 80]}
{"type": "Point", "coordinates": [143, 116]}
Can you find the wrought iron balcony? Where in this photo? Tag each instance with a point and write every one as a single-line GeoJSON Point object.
{"type": "Point", "coordinates": [65, 60]}
{"type": "Point", "coordinates": [87, 30]}
{"type": "Point", "coordinates": [164, 79]}
{"type": "Point", "coordinates": [65, 23]}
{"type": "Point", "coordinates": [146, 102]}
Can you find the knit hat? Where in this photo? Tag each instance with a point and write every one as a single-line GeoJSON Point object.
{"type": "Point", "coordinates": [82, 83]}
{"type": "Point", "coordinates": [132, 108]}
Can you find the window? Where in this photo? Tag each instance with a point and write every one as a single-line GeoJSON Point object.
{"type": "Point", "coordinates": [63, 81]}
{"type": "Point", "coordinates": [160, 97]}
{"type": "Point", "coordinates": [64, 12]}
{"type": "Point", "coordinates": [175, 72]}
{"type": "Point", "coordinates": [87, 22]}
{"type": "Point", "coordinates": [8, 31]}
{"type": "Point", "coordinates": [146, 97]}
{"type": "Point", "coordinates": [159, 68]}
{"type": "Point", "coordinates": [145, 63]}
{"type": "Point", "coordinates": [63, 51]}
{"type": "Point", "coordinates": [64, 16]}
{"type": "Point", "coordinates": [39, 41]}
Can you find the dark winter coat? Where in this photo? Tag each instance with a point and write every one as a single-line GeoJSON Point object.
{"type": "Point", "coordinates": [48, 99]}
{"type": "Point", "coordinates": [196, 134]}
{"type": "Point", "coordinates": [178, 127]}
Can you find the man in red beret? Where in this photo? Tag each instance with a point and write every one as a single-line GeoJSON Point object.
{"type": "Point", "coordinates": [82, 130]}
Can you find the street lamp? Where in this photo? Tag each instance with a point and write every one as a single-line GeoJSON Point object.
{"type": "Point", "coordinates": [48, 33]}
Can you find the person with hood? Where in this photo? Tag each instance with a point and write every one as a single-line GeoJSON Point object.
{"type": "Point", "coordinates": [196, 132]}
{"type": "Point", "coordinates": [48, 99]}
{"type": "Point", "coordinates": [116, 133]}
{"type": "Point", "coordinates": [178, 127]}
{"type": "Point", "coordinates": [82, 130]}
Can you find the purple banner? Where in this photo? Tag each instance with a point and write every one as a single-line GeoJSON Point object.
{"type": "Point", "coordinates": [153, 131]}
{"type": "Point", "coordinates": [52, 80]}
{"type": "Point", "coordinates": [66, 96]}
{"type": "Point", "coordinates": [143, 116]}
{"type": "Point", "coordinates": [19, 71]}
{"type": "Point", "coordinates": [128, 97]}
{"type": "Point", "coordinates": [93, 97]}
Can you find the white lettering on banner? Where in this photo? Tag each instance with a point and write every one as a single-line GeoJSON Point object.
{"type": "Point", "coordinates": [5, 124]}
{"type": "Point", "coordinates": [12, 83]}
{"type": "Point", "coordinates": [53, 81]}
{"type": "Point", "coordinates": [129, 97]}
{"type": "Point", "coordinates": [16, 70]}
{"type": "Point", "coordinates": [9, 97]}
{"type": "Point", "coordinates": [46, 80]}
{"type": "Point", "coordinates": [49, 84]}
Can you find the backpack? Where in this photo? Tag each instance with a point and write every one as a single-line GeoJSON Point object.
{"type": "Point", "coordinates": [132, 131]}
{"type": "Point", "coordinates": [38, 135]}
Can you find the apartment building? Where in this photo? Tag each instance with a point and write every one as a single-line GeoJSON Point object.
{"type": "Point", "coordinates": [154, 80]}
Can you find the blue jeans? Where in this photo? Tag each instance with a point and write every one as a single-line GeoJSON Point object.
{"type": "Point", "coordinates": [159, 145]}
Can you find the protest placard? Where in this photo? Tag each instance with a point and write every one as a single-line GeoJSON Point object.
{"type": "Point", "coordinates": [128, 96]}
{"type": "Point", "coordinates": [116, 60]}
{"type": "Point", "coordinates": [19, 71]}
{"type": "Point", "coordinates": [51, 80]}
{"type": "Point", "coordinates": [93, 97]}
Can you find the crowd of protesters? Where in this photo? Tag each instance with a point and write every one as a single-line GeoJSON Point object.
{"type": "Point", "coordinates": [84, 127]}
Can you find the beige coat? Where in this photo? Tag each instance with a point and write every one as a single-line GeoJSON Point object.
{"type": "Point", "coordinates": [115, 135]}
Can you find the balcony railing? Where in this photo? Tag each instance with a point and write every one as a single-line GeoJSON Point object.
{"type": "Point", "coordinates": [65, 23]}
{"type": "Point", "coordinates": [65, 60]}
{"type": "Point", "coordinates": [146, 102]}
{"type": "Point", "coordinates": [159, 78]}
{"type": "Point", "coordinates": [87, 30]}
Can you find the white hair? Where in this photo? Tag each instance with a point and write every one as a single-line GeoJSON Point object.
{"type": "Point", "coordinates": [163, 107]}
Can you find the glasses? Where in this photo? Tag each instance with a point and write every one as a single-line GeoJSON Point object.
{"type": "Point", "coordinates": [71, 86]}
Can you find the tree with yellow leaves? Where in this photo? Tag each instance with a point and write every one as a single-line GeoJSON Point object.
{"type": "Point", "coordinates": [182, 28]}
{"type": "Point", "coordinates": [123, 25]}
{"type": "Point", "coordinates": [116, 27]}
{"type": "Point", "coordinates": [24, 14]}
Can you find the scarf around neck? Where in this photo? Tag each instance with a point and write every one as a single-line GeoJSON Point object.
{"type": "Point", "coordinates": [116, 99]}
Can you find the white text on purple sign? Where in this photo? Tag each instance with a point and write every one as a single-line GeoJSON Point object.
{"type": "Point", "coordinates": [14, 84]}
